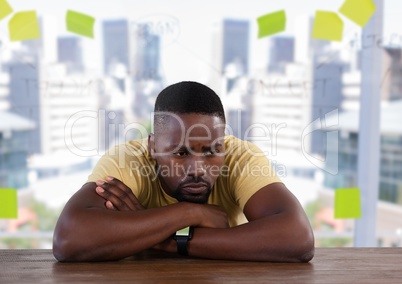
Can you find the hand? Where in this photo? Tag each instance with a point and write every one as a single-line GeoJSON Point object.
{"type": "Point", "coordinates": [118, 196]}
{"type": "Point", "coordinates": [212, 216]}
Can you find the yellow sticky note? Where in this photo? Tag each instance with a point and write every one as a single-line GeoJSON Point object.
{"type": "Point", "coordinates": [327, 26]}
{"type": "Point", "coordinates": [5, 9]}
{"type": "Point", "coordinates": [358, 11]}
{"type": "Point", "coordinates": [8, 203]}
{"type": "Point", "coordinates": [80, 23]}
{"type": "Point", "coordinates": [272, 23]}
{"type": "Point", "coordinates": [347, 203]}
{"type": "Point", "coordinates": [24, 26]}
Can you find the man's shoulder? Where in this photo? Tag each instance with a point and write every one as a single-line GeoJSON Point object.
{"type": "Point", "coordinates": [131, 150]}
{"type": "Point", "coordinates": [135, 147]}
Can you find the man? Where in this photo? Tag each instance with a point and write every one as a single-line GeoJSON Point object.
{"type": "Point", "coordinates": [188, 188]}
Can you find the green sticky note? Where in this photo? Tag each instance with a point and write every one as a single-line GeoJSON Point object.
{"type": "Point", "coordinates": [358, 11]}
{"type": "Point", "coordinates": [8, 203]}
{"type": "Point", "coordinates": [272, 23]}
{"type": "Point", "coordinates": [80, 23]}
{"type": "Point", "coordinates": [347, 203]}
{"type": "Point", "coordinates": [327, 26]}
{"type": "Point", "coordinates": [24, 26]}
{"type": "Point", "coordinates": [5, 9]}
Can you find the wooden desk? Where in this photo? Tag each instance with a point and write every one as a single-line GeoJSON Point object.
{"type": "Point", "coordinates": [330, 265]}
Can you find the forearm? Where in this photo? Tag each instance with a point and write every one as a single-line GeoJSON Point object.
{"type": "Point", "coordinates": [97, 234]}
{"type": "Point", "coordinates": [259, 240]}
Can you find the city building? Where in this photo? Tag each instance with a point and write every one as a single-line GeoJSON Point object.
{"type": "Point", "coordinates": [391, 85]}
{"type": "Point", "coordinates": [391, 81]}
{"type": "Point", "coordinates": [273, 111]}
{"type": "Point", "coordinates": [281, 53]}
{"type": "Point", "coordinates": [238, 105]}
{"type": "Point", "coordinates": [51, 98]}
{"type": "Point", "coordinates": [68, 112]}
{"type": "Point", "coordinates": [69, 52]}
{"type": "Point", "coordinates": [231, 48]}
{"type": "Point", "coordinates": [235, 45]}
{"type": "Point", "coordinates": [390, 184]}
{"type": "Point", "coordinates": [24, 97]}
{"type": "Point", "coordinates": [147, 54]}
{"type": "Point", "coordinates": [4, 90]}
{"type": "Point", "coordinates": [147, 74]}
{"type": "Point", "coordinates": [14, 143]}
{"type": "Point", "coordinates": [326, 96]}
{"type": "Point", "coordinates": [116, 46]}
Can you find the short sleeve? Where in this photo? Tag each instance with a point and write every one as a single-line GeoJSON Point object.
{"type": "Point", "coordinates": [249, 170]}
{"type": "Point", "coordinates": [123, 162]}
{"type": "Point", "coordinates": [106, 166]}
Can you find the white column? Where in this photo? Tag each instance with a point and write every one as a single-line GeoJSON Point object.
{"type": "Point", "coordinates": [369, 129]}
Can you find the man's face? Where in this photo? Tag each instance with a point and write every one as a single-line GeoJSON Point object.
{"type": "Point", "coordinates": [189, 151]}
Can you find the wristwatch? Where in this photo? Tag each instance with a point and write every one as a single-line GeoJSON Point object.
{"type": "Point", "coordinates": [182, 237]}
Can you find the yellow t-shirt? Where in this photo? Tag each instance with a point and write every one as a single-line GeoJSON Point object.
{"type": "Point", "coordinates": [246, 170]}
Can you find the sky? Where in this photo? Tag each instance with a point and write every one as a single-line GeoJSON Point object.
{"type": "Point", "coordinates": [190, 52]}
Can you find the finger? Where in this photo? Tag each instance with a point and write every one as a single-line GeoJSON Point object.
{"type": "Point", "coordinates": [119, 195]}
{"type": "Point", "coordinates": [126, 193]}
{"type": "Point", "coordinates": [105, 195]}
{"type": "Point", "coordinates": [112, 200]}
{"type": "Point", "coordinates": [106, 191]}
{"type": "Point", "coordinates": [109, 205]}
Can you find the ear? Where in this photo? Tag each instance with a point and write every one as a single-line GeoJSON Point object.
{"type": "Point", "coordinates": [151, 145]}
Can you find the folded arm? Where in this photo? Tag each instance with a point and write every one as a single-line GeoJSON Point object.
{"type": "Point", "coordinates": [88, 231]}
{"type": "Point", "coordinates": [278, 229]}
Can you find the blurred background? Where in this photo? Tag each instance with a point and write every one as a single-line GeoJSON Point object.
{"type": "Point", "coordinates": [66, 98]}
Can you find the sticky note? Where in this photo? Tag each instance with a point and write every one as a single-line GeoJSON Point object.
{"type": "Point", "coordinates": [80, 23]}
{"type": "Point", "coordinates": [327, 26]}
{"type": "Point", "coordinates": [272, 23]}
{"type": "Point", "coordinates": [358, 11]}
{"type": "Point", "coordinates": [8, 203]}
{"type": "Point", "coordinates": [5, 9]}
{"type": "Point", "coordinates": [24, 26]}
{"type": "Point", "coordinates": [347, 203]}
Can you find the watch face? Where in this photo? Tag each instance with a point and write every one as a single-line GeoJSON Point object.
{"type": "Point", "coordinates": [183, 232]}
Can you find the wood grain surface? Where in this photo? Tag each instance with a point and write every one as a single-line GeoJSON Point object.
{"type": "Point", "coordinates": [330, 265]}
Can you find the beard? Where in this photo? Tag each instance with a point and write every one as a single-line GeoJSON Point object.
{"type": "Point", "coordinates": [201, 198]}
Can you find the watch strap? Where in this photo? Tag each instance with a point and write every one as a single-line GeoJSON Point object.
{"type": "Point", "coordinates": [182, 245]}
{"type": "Point", "coordinates": [182, 237]}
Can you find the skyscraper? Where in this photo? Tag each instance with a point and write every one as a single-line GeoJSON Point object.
{"type": "Point", "coordinates": [147, 68]}
{"type": "Point", "coordinates": [25, 99]}
{"type": "Point", "coordinates": [235, 49]}
{"type": "Point", "coordinates": [326, 97]}
{"type": "Point", "coordinates": [230, 53]}
{"type": "Point", "coordinates": [281, 53]}
{"type": "Point", "coordinates": [116, 45]}
{"type": "Point", "coordinates": [391, 87]}
{"type": "Point", "coordinates": [147, 54]}
{"type": "Point", "coordinates": [69, 52]}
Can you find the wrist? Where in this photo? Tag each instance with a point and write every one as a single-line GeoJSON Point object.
{"type": "Point", "coordinates": [192, 213]}
{"type": "Point", "coordinates": [182, 238]}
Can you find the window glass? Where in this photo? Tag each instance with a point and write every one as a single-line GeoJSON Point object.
{"type": "Point", "coordinates": [66, 98]}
